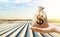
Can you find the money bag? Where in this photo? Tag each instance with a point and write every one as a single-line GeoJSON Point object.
{"type": "Point", "coordinates": [40, 18]}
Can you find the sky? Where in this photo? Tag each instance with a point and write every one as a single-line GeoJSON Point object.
{"type": "Point", "coordinates": [27, 8]}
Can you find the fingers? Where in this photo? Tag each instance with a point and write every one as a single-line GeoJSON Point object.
{"type": "Point", "coordinates": [35, 29]}
{"type": "Point", "coordinates": [39, 29]}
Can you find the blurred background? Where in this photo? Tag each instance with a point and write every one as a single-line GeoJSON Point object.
{"type": "Point", "coordinates": [25, 9]}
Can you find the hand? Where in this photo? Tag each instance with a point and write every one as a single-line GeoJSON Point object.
{"type": "Point", "coordinates": [50, 28]}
